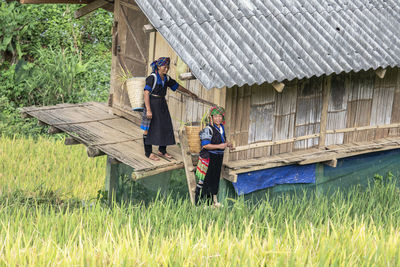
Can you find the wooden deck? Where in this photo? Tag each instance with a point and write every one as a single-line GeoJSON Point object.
{"type": "Point", "coordinates": [328, 155]}
{"type": "Point", "coordinates": [91, 124]}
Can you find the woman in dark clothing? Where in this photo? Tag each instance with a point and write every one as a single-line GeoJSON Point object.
{"type": "Point", "coordinates": [213, 142]}
{"type": "Point", "coordinates": [156, 120]}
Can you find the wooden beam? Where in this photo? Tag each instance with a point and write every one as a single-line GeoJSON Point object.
{"type": "Point", "coordinates": [53, 130]}
{"type": "Point", "coordinates": [69, 141]}
{"type": "Point", "coordinates": [148, 28]}
{"type": "Point", "coordinates": [324, 112]}
{"type": "Point", "coordinates": [187, 161]}
{"type": "Point", "coordinates": [271, 143]}
{"type": "Point", "coordinates": [145, 173]}
{"type": "Point", "coordinates": [331, 163]}
{"type": "Point", "coordinates": [380, 72]}
{"type": "Point", "coordinates": [363, 128]}
{"type": "Point", "coordinates": [339, 155]}
{"type": "Point", "coordinates": [278, 86]}
{"type": "Point", "coordinates": [109, 7]}
{"type": "Point", "coordinates": [130, 5]}
{"type": "Point", "coordinates": [186, 76]}
{"type": "Point", "coordinates": [228, 176]}
{"type": "Point", "coordinates": [94, 152]}
{"type": "Point", "coordinates": [90, 8]}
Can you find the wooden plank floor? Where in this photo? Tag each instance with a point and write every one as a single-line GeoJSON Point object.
{"type": "Point", "coordinates": [302, 157]}
{"type": "Point", "coordinates": [92, 125]}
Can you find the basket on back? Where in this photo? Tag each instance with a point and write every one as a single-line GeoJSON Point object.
{"type": "Point", "coordinates": [135, 88]}
{"type": "Point", "coordinates": [193, 136]}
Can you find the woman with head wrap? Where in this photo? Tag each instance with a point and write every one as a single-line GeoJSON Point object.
{"type": "Point", "coordinates": [156, 120]}
{"type": "Point", "coordinates": [213, 142]}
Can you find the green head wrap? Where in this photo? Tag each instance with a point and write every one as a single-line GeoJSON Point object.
{"type": "Point", "coordinates": [216, 110]}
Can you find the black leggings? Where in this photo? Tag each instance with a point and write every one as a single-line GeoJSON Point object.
{"type": "Point", "coordinates": [148, 149]}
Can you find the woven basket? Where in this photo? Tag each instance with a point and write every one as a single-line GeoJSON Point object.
{"type": "Point", "coordinates": [193, 136]}
{"type": "Point", "coordinates": [135, 88]}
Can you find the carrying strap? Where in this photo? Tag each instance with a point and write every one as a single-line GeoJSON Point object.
{"type": "Point", "coordinates": [155, 81]}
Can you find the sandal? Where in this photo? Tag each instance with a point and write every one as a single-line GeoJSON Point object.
{"type": "Point", "coordinates": [154, 157]}
{"type": "Point", "coordinates": [168, 156]}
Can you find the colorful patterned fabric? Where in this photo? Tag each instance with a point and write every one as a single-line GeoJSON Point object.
{"type": "Point", "coordinates": [216, 110]}
{"type": "Point", "coordinates": [145, 125]}
{"type": "Point", "coordinates": [162, 61]}
{"type": "Point", "coordinates": [202, 167]}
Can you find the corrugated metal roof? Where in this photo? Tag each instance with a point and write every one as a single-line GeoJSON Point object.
{"type": "Point", "coordinates": [237, 42]}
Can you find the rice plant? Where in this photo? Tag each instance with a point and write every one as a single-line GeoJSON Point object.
{"type": "Point", "coordinates": [352, 229]}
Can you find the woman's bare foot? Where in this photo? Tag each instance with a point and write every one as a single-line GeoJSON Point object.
{"type": "Point", "coordinates": [154, 157]}
{"type": "Point", "coordinates": [168, 156]}
{"type": "Point", "coordinates": [217, 205]}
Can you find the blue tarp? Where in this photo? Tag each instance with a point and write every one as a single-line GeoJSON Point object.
{"type": "Point", "coordinates": [293, 174]}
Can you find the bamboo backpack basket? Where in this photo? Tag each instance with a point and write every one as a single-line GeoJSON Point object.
{"type": "Point", "coordinates": [135, 88]}
{"type": "Point", "coordinates": [193, 135]}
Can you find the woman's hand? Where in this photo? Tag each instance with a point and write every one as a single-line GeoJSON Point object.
{"type": "Point", "coordinates": [223, 145]}
{"type": "Point", "coordinates": [149, 114]}
{"type": "Point", "coordinates": [230, 145]}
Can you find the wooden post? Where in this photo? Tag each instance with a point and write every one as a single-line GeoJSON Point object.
{"type": "Point", "coordinates": [324, 112]}
{"type": "Point", "coordinates": [112, 176]}
{"type": "Point", "coordinates": [53, 130]}
{"type": "Point", "coordinates": [69, 141]}
{"type": "Point", "coordinates": [94, 152]}
{"type": "Point", "coordinates": [187, 161]}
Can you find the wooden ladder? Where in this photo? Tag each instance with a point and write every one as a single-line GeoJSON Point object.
{"type": "Point", "coordinates": [187, 161]}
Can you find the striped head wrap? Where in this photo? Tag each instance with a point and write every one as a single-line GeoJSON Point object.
{"type": "Point", "coordinates": [162, 61]}
{"type": "Point", "coordinates": [216, 110]}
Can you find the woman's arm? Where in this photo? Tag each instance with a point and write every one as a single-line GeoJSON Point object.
{"type": "Point", "coordinates": [149, 115]}
{"type": "Point", "coordinates": [212, 146]}
{"type": "Point", "coordinates": [183, 89]}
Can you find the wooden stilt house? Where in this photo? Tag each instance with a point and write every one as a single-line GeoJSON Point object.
{"type": "Point", "coordinates": [308, 86]}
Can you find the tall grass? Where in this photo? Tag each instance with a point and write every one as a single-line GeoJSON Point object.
{"type": "Point", "coordinates": [45, 165]}
{"type": "Point", "coordinates": [356, 228]}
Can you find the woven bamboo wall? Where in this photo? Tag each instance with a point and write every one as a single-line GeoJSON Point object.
{"type": "Point", "coordinates": [259, 113]}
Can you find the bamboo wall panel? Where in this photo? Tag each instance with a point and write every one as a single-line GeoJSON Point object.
{"type": "Point", "coordinates": [285, 114]}
{"type": "Point", "coordinates": [262, 119]}
{"type": "Point", "coordinates": [382, 102]}
{"type": "Point", "coordinates": [240, 119]}
{"type": "Point", "coordinates": [308, 114]}
{"type": "Point", "coordinates": [361, 88]}
{"type": "Point", "coordinates": [337, 109]}
{"type": "Point", "coordinates": [395, 117]}
{"type": "Point", "coordinates": [355, 100]}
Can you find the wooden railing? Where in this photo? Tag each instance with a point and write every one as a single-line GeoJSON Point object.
{"type": "Point", "coordinates": [305, 137]}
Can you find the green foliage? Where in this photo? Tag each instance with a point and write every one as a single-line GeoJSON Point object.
{"type": "Point", "coordinates": [48, 57]}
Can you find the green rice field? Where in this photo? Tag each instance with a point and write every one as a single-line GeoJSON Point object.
{"type": "Point", "coordinates": [50, 216]}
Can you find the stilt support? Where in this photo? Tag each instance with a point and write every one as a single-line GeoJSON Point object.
{"type": "Point", "coordinates": [187, 161]}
